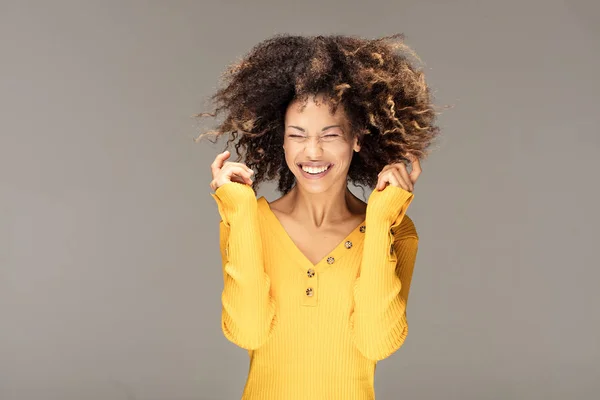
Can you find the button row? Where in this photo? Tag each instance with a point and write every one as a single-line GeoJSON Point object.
{"type": "Point", "coordinates": [330, 260]}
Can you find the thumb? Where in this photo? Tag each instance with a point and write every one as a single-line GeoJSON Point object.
{"type": "Point", "coordinates": [217, 164]}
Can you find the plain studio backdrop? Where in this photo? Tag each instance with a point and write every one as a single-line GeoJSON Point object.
{"type": "Point", "coordinates": [110, 275]}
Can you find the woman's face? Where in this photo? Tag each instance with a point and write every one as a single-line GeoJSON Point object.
{"type": "Point", "coordinates": [318, 145]}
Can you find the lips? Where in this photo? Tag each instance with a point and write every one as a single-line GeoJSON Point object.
{"type": "Point", "coordinates": [314, 169]}
{"type": "Point", "coordinates": [314, 164]}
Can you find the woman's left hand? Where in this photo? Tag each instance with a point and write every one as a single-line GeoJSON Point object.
{"type": "Point", "coordinates": [397, 175]}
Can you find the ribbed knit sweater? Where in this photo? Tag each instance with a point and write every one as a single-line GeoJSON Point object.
{"type": "Point", "coordinates": [314, 331]}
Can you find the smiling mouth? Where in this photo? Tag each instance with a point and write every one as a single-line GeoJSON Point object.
{"type": "Point", "coordinates": [314, 170]}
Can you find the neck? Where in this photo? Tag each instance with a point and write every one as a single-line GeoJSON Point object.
{"type": "Point", "coordinates": [329, 207]}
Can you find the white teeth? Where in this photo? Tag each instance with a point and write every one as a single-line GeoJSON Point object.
{"type": "Point", "coordinates": [315, 170]}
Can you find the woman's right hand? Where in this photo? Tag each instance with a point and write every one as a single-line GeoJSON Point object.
{"type": "Point", "coordinates": [225, 172]}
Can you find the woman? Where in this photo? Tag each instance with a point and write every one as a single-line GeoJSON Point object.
{"type": "Point", "coordinates": [316, 282]}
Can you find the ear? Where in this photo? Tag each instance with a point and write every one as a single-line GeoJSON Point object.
{"type": "Point", "coordinates": [356, 146]}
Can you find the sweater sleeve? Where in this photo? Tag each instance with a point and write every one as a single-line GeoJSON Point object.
{"type": "Point", "coordinates": [248, 310]}
{"type": "Point", "coordinates": [378, 319]}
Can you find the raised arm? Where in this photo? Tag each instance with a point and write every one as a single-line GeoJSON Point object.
{"type": "Point", "coordinates": [381, 291]}
{"type": "Point", "coordinates": [248, 312]}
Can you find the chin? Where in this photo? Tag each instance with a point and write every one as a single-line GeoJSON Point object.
{"type": "Point", "coordinates": [313, 188]}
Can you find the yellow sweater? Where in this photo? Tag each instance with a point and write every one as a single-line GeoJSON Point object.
{"type": "Point", "coordinates": [314, 331]}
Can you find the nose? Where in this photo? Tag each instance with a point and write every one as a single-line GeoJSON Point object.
{"type": "Point", "coordinates": [313, 148]}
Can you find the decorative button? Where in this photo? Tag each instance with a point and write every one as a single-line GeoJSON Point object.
{"type": "Point", "coordinates": [309, 292]}
{"type": "Point", "coordinates": [362, 229]}
{"type": "Point", "coordinates": [348, 244]}
{"type": "Point", "coordinates": [310, 273]}
{"type": "Point", "coordinates": [330, 260]}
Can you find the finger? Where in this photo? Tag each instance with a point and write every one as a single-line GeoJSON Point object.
{"type": "Point", "coordinates": [381, 183]}
{"type": "Point", "coordinates": [217, 164]}
{"type": "Point", "coordinates": [393, 179]}
{"type": "Point", "coordinates": [241, 178]}
{"type": "Point", "coordinates": [231, 167]}
{"type": "Point", "coordinates": [416, 170]}
{"type": "Point", "coordinates": [237, 164]}
{"type": "Point", "coordinates": [247, 178]}
{"type": "Point", "coordinates": [238, 174]}
{"type": "Point", "coordinates": [237, 178]}
{"type": "Point", "coordinates": [214, 185]}
{"type": "Point", "coordinates": [401, 169]}
{"type": "Point", "coordinates": [401, 180]}
{"type": "Point", "coordinates": [384, 169]}
{"type": "Point", "coordinates": [387, 178]}
{"type": "Point", "coordinates": [383, 178]}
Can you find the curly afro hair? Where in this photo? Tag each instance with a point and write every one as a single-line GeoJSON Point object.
{"type": "Point", "coordinates": [384, 95]}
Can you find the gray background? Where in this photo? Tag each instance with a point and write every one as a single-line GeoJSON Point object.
{"type": "Point", "coordinates": [110, 275]}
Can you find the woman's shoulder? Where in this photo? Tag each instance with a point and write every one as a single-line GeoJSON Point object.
{"type": "Point", "coordinates": [405, 229]}
{"type": "Point", "coordinates": [268, 212]}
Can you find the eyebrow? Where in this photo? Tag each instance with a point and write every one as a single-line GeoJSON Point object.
{"type": "Point", "coordinates": [324, 129]}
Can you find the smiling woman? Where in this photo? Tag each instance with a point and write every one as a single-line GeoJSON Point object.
{"type": "Point", "coordinates": [316, 282]}
{"type": "Point", "coordinates": [384, 94]}
{"type": "Point", "coordinates": [318, 145]}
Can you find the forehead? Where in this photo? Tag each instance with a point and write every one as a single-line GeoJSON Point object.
{"type": "Point", "coordinates": [314, 110]}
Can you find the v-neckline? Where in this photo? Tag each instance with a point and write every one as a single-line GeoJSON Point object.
{"type": "Point", "coordinates": [353, 238]}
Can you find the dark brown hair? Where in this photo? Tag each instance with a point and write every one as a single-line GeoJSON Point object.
{"type": "Point", "coordinates": [384, 95]}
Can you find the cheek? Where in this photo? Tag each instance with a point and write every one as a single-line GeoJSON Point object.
{"type": "Point", "coordinates": [290, 154]}
{"type": "Point", "coordinates": [344, 155]}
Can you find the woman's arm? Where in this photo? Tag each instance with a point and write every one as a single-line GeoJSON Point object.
{"type": "Point", "coordinates": [248, 313]}
{"type": "Point", "coordinates": [378, 319]}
